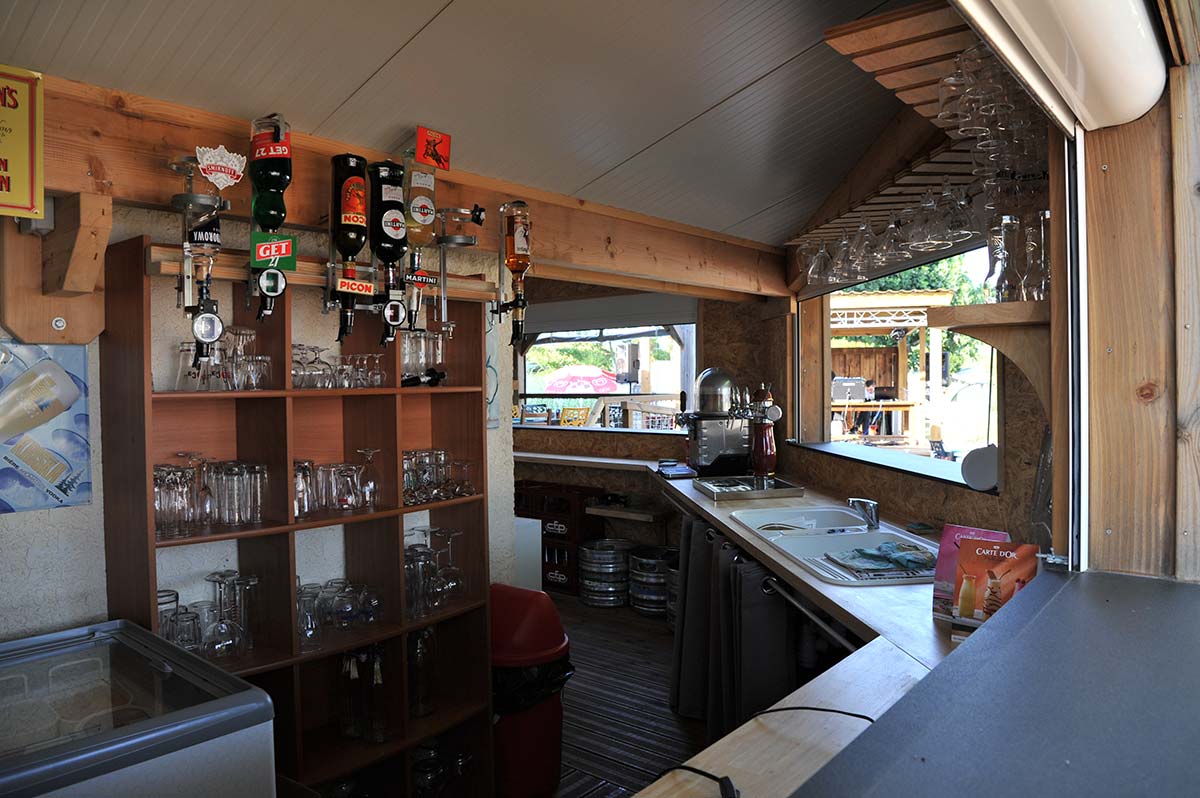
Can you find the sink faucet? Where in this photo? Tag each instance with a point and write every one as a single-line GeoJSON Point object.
{"type": "Point", "coordinates": [869, 510]}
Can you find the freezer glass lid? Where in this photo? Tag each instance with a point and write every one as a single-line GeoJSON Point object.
{"type": "Point", "coordinates": [66, 692]}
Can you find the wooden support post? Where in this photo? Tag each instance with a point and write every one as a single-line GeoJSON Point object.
{"type": "Point", "coordinates": [1131, 350]}
{"type": "Point", "coordinates": [30, 315]}
{"type": "Point", "coordinates": [902, 376]}
{"type": "Point", "coordinates": [73, 253]}
{"type": "Point", "coordinates": [1185, 146]}
{"type": "Point", "coordinates": [814, 370]}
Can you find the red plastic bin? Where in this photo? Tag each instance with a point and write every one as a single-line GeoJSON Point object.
{"type": "Point", "coordinates": [530, 665]}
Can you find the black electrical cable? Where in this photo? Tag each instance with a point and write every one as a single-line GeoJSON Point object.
{"type": "Point", "coordinates": [815, 709]}
{"type": "Point", "coordinates": [724, 783]}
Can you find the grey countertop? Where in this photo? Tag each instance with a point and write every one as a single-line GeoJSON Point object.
{"type": "Point", "coordinates": [1085, 685]}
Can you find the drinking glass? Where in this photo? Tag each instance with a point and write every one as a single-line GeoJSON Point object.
{"type": "Point", "coordinates": [256, 372]}
{"type": "Point", "coordinates": [255, 494]}
{"type": "Point", "coordinates": [325, 599]}
{"type": "Point", "coordinates": [841, 268]}
{"type": "Point", "coordinates": [168, 606]}
{"type": "Point", "coordinates": [862, 248]}
{"type": "Point", "coordinates": [369, 605]}
{"type": "Point", "coordinates": [187, 631]}
{"type": "Point", "coordinates": [348, 490]}
{"type": "Point", "coordinates": [950, 94]}
{"type": "Point", "coordinates": [377, 376]}
{"type": "Point", "coordinates": [305, 500]}
{"type": "Point", "coordinates": [327, 486]}
{"type": "Point", "coordinates": [307, 624]}
{"type": "Point", "coordinates": [409, 473]}
{"type": "Point", "coordinates": [207, 612]}
{"type": "Point", "coordinates": [819, 266]}
{"type": "Point", "coordinates": [460, 477]}
{"type": "Point", "coordinates": [892, 248]}
{"type": "Point", "coordinates": [369, 478]}
{"type": "Point", "coordinates": [345, 608]}
{"type": "Point", "coordinates": [453, 578]}
{"type": "Point", "coordinates": [247, 604]}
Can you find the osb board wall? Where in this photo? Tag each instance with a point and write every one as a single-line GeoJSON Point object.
{"type": "Point", "coordinates": [622, 445]}
{"type": "Point", "coordinates": [908, 497]}
{"type": "Point", "coordinates": [750, 341]}
{"type": "Point", "coordinates": [628, 483]}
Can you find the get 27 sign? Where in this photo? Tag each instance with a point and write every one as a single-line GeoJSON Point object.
{"type": "Point", "coordinates": [21, 156]}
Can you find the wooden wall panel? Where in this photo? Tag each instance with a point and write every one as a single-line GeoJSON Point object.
{"type": "Point", "coordinates": [1185, 134]}
{"type": "Point", "coordinates": [877, 363]}
{"type": "Point", "coordinates": [1131, 318]}
{"type": "Point", "coordinates": [119, 144]}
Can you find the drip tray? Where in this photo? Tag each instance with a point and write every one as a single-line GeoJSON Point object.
{"type": "Point", "coordinates": [722, 489]}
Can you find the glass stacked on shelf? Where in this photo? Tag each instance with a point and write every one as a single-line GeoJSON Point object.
{"type": "Point", "coordinates": [204, 492]}
{"type": "Point", "coordinates": [432, 577]}
{"type": "Point", "coordinates": [336, 487]}
{"type": "Point", "coordinates": [311, 370]}
{"type": "Point", "coordinates": [431, 476]}
{"type": "Point", "coordinates": [336, 604]}
{"type": "Point", "coordinates": [220, 629]}
{"type": "Point", "coordinates": [233, 365]}
{"type": "Point", "coordinates": [1002, 201]}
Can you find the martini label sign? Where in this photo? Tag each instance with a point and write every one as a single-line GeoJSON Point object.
{"type": "Point", "coordinates": [272, 251]}
{"type": "Point", "coordinates": [22, 162]}
{"type": "Point", "coordinates": [421, 278]}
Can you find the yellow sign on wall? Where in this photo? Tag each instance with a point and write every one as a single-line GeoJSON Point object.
{"type": "Point", "coordinates": [22, 165]}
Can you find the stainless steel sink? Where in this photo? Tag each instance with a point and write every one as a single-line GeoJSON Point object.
{"type": "Point", "coordinates": [806, 534]}
{"type": "Point", "coordinates": [821, 520]}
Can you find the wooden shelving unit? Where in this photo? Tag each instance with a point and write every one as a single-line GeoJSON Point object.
{"type": "Point", "coordinates": [275, 427]}
{"type": "Point", "coordinates": [1018, 330]}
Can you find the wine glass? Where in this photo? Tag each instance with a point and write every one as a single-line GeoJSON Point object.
{"type": "Point", "coordinates": [892, 249]}
{"type": "Point", "coordinates": [454, 581]}
{"type": "Point", "coordinates": [376, 377]}
{"type": "Point", "coordinates": [862, 248]}
{"type": "Point", "coordinates": [819, 266]}
{"type": "Point", "coordinates": [369, 479]}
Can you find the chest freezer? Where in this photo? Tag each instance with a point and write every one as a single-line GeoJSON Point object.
{"type": "Point", "coordinates": [112, 710]}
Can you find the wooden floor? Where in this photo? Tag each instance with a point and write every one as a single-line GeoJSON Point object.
{"type": "Point", "coordinates": [618, 729]}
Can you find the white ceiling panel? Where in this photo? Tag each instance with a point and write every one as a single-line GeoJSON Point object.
{"type": "Point", "coordinates": [800, 129]}
{"type": "Point", "coordinates": [731, 115]}
{"type": "Point", "coordinates": [554, 95]}
{"type": "Point", "coordinates": [302, 58]}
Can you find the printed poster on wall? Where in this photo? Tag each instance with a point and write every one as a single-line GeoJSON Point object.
{"type": "Point", "coordinates": [45, 458]}
{"type": "Point", "coordinates": [21, 163]}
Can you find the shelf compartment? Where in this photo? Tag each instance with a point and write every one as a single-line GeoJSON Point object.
{"type": "Point", "coordinates": [340, 756]}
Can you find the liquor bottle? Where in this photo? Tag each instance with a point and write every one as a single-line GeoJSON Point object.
{"type": "Point", "coordinates": [419, 189]}
{"type": "Point", "coordinates": [515, 215]}
{"type": "Point", "coordinates": [389, 232]}
{"type": "Point", "coordinates": [270, 170]}
{"type": "Point", "coordinates": [348, 232]}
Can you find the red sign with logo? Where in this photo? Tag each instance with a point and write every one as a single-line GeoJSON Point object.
{"type": "Point", "coordinates": [433, 148]}
{"type": "Point", "coordinates": [273, 249]}
{"type": "Point", "coordinates": [355, 286]}
{"type": "Point", "coordinates": [264, 145]}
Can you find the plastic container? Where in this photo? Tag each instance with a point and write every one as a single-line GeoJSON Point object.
{"type": "Point", "coordinates": [530, 665]}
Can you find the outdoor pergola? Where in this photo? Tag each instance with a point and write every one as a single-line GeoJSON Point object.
{"type": "Point", "coordinates": [882, 313]}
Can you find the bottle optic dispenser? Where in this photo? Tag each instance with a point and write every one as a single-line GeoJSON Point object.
{"type": "Point", "coordinates": [347, 235]}
{"type": "Point", "coordinates": [419, 189]}
{"type": "Point", "coordinates": [389, 242]}
{"type": "Point", "coordinates": [514, 229]}
{"type": "Point", "coordinates": [270, 175]}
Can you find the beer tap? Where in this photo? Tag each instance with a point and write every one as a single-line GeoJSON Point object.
{"type": "Point", "coordinates": [474, 215]}
{"type": "Point", "coordinates": [514, 256]}
{"type": "Point", "coordinates": [270, 175]}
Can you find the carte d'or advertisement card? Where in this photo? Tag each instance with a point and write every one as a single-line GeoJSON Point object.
{"type": "Point", "coordinates": [45, 457]}
{"type": "Point", "coordinates": [22, 162]}
{"type": "Point", "coordinates": [990, 572]}
{"type": "Point", "coordinates": [945, 574]}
